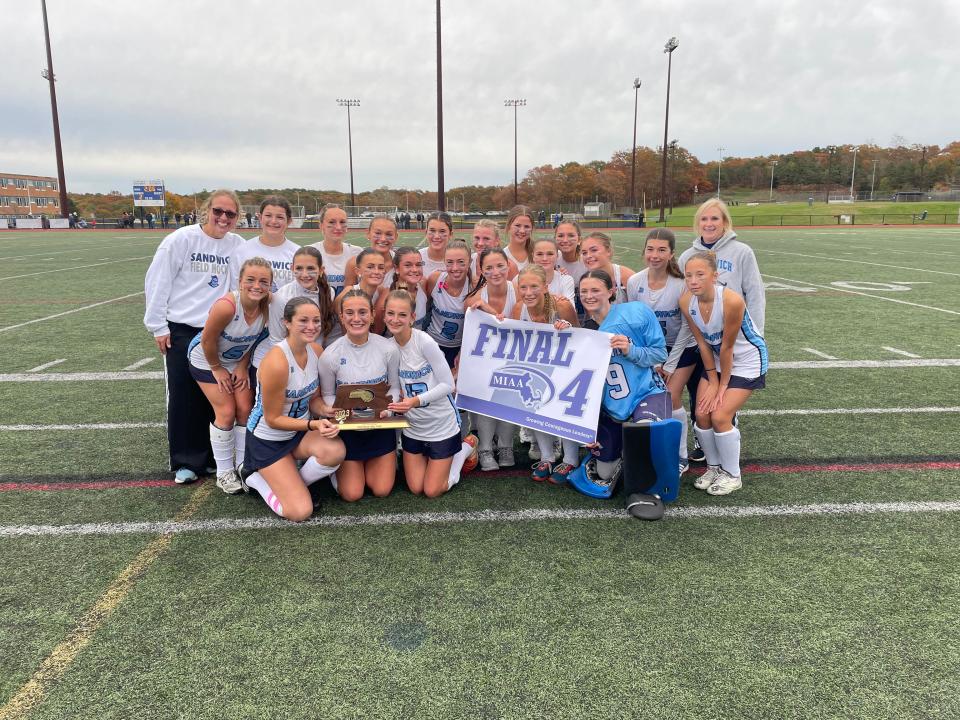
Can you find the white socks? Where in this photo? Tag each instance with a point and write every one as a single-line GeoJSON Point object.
{"type": "Point", "coordinates": [548, 452]}
{"type": "Point", "coordinates": [257, 482]}
{"type": "Point", "coordinates": [221, 441]}
{"type": "Point", "coordinates": [571, 452]}
{"type": "Point", "coordinates": [680, 414]}
{"type": "Point", "coordinates": [239, 443]}
{"type": "Point", "coordinates": [457, 465]}
{"type": "Point", "coordinates": [728, 446]}
{"type": "Point", "coordinates": [707, 444]}
{"type": "Point", "coordinates": [311, 471]}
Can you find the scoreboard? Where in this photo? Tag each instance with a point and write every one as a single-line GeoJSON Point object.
{"type": "Point", "coordinates": [148, 193]}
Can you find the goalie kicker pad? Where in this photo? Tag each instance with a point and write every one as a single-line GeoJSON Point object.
{"type": "Point", "coordinates": [651, 458]}
{"type": "Point", "coordinates": [587, 480]}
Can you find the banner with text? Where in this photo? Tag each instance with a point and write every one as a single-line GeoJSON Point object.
{"type": "Point", "coordinates": [533, 375]}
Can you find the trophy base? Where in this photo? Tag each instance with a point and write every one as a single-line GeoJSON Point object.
{"type": "Point", "coordinates": [393, 423]}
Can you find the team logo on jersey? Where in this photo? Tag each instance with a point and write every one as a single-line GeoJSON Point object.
{"type": "Point", "coordinates": [214, 281]}
{"type": "Point", "coordinates": [521, 386]}
{"type": "Point", "coordinates": [343, 361]}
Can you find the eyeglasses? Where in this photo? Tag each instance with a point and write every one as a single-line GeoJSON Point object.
{"type": "Point", "coordinates": [217, 212]}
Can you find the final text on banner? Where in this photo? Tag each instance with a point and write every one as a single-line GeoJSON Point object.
{"type": "Point", "coordinates": [533, 375]}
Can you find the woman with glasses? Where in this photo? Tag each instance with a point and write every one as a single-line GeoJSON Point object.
{"type": "Point", "coordinates": [188, 274]}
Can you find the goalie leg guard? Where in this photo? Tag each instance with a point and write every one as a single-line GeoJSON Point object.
{"type": "Point", "coordinates": [651, 458]}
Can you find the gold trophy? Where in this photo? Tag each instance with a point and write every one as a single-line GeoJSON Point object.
{"type": "Point", "coordinates": [359, 407]}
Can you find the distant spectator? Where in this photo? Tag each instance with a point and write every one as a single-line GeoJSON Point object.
{"type": "Point", "coordinates": [164, 220]}
{"type": "Point", "coordinates": [249, 219]}
{"type": "Point", "coordinates": [542, 218]}
{"type": "Point", "coordinates": [178, 217]}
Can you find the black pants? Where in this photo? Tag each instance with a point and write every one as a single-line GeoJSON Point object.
{"type": "Point", "coordinates": [188, 412]}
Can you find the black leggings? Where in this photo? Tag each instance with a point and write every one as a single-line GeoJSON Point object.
{"type": "Point", "coordinates": [188, 412]}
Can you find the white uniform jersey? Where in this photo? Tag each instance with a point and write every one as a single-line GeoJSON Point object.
{"type": "Point", "coordinates": [431, 266]}
{"type": "Point", "coordinates": [574, 269]}
{"type": "Point", "coordinates": [664, 302]}
{"type": "Point", "coordinates": [280, 258]}
{"type": "Point", "coordinates": [621, 291]}
{"type": "Point", "coordinates": [302, 384]}
{"type": "Point", "coordinates": [509, 302]}
{"type": "Point", "coordinates": [424, 373]}
{"type": "Point", "coordinates": [335, 266]}
{"type": "Point", "coordinates": [520, 265]}
{"type": "Point", "coordinates": [234, 342]}
{"type": "Point", "coordinates": [344, 363]}
{"type": "Point", "coordinates": [446, 318]}
{"type": "Point", "coordinates": [749, 348]}
{"type": "Point", "coordinates": [278, 301]}
{"type": "Point", "coordinates": [562, 285]}
{"type": "Point", "coordinates": [525, 315]}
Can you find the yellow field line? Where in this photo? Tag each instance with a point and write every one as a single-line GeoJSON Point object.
{"type": "Point", "coordinates": [56, 663]}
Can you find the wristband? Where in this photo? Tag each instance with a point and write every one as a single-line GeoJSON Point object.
{"type": "Point", "coordinates": [309, 429]}
{"type": "Point", "coordinates": [706, 369]}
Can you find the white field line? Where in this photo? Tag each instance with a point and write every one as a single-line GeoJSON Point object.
{"type": "Point", "coordinates": [858, 262]}
{"type": "Point", "coordinates": [69, 312]}
{"type": "Point", "coordinates": [139, 363]}
{"type": "Point", "coordinates": [901, 252]}
{"type": "Point", "coordinates": [864, 294]}
{"type": "Point", "coordinates": [896, 351]}
{"type": "Point", "coordinates": [757, 412]}
{"type": "Point", "coordinates": [38, 368]}
{"type": "Point", "coordinates": [75, 267]}
{"type": "Point", "coordinates": [61, 252]}
{"type": "Point", "coordinates": [818, 353]}
{"type": "Point", "coordinates": [780, 365]}
{"type": "Point", "coordinates": [711, 512]}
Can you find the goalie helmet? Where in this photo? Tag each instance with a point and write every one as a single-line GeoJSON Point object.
{"type": "Point", "coordinates": [587, 479]}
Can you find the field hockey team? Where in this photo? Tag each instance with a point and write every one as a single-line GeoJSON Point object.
{"type": "Point", "coordinates": [257, 335]}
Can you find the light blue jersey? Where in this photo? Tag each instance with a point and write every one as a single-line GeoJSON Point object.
{"type": "Point", "coordinates": [630, 377]}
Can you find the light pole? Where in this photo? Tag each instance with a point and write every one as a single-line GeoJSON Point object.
{"type": "Point", "coordinates": [873, 179]}
{"type": "Point", "coordinates": [853, 173]}
{"type": "Point", "coordinates": [773, 166]}
{"type": "Point", "coordinates": [719, 168]}
{"type": "Point", "coordinates": [349, 104]}
{"type": "Point", "coordinates": [515, 104]}
{"type": "Point", "coordinates": [47, 73]}
{"type": "Point", "coordinates": [633, 148]}
{"type": "Point", "coordinates": [671, 45]}
{"type": "Point", "coordinates": [441, 196]}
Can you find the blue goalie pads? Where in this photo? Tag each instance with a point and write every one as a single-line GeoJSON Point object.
{"type": "Point", "coordinates": [651, 458]}
{"type": "Point", "coordinates": [586, 479]}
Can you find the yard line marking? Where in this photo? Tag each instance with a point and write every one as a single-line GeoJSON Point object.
{"type": "Point", "coordinates": [82, 376]}
{"type": "Point", "coordinates": [33, 692]}
{"type": "Point", "coordinates": [139, 364]}
{"type": "Point", "coordinates": [747, 412]}
{"type": "Point", "coordinates": [74, 267]}
{"type": "Point", "coordinates": [857, 292]}
{"type": "Point", "coordinates": [38, 368]}
{"type": "Point", "coordinates": [169, 527]}
{"type": "Point", "coordinates": [59, 252]}
{"type": "Point", "coordinates": [68, 312]}
{"type": "Point", "coordinates": [858, 262]}
{"type": "Point", "coordinates": [819, 354]}
{"type": "Point", "coordinates": [895, 351]}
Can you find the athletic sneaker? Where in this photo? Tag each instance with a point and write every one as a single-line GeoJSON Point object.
{"type": "Point", "coordinates": [471, 462]}
{"type": "Point", "coordinates": [185, 476]}
{"type": "Point", "coordinates": [561, 473]}
{"type": "Point", "coordinates": [541, 471]}
{"type": "Point", "coordinates": [697, 454]}
{"type": "Point", "coordinates": [243, 474]}
{"type": "Point", "coordinates": [708, 478]}
{"type": "Point", "coordinates": [684, 465]}
{"type": "Point", "coordinates": [487, 461]}
{"type": "Point", "coordinates": [229, 482]}
{"type": "Point", "coordinates": [505, 457]}
{"type": "Point", "coordinates": [725, 484]}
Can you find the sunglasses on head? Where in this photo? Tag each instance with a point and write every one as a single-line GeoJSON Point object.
{"type": "Point", "coordinates": [217, 212]}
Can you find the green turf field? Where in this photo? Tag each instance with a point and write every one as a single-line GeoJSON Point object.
{"type": "Point", "coordinates": [828, 587]}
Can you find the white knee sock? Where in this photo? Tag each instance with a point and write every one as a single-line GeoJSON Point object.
{"type": "Point", "coordinates": [505, 433]}
{"type": "Point", "coordinates": [728, 445]}
{"type": "Point", "coordinates": [606, 468]}
{"type": "Point", "coordinates": [313, 471]}
{"type": "Point", "coordinates": [221, 441]}
{"type": "Point", "coordinates": [548, 452]}
{"type": "Point", "coordinates": [571, 452]}
{"type": "Point", "coordinates": [457, 465]}
{"type": "Point", "coordinates": [257, 482]}
{"type": "Point", "coordinates": [707, 444]}
{"type": "Point", "coordinates": [239, 443]}
{"type": "Point", "coordinates": [681, 415]}
{"type": "Point", "coordinates": [486, 428]}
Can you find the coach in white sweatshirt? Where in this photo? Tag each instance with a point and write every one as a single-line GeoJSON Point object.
{"type": "Point", "coordinates": [188, 273]}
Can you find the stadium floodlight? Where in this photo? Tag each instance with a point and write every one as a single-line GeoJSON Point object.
{"type": "Point", "coordinates": [633, 148]}
{"type": "Point", "coordinates": [349, 104]}
{"type": "Point", "coordinates": [719, 168]}
{"type": "Point", "coordinates": [773, 166]}
{"type": "Point", "coordinates": [671, 45]}
{"type": "Point", "coordinates": [519, 102]}
{"type": "Point", "coordinates": [48, 75]}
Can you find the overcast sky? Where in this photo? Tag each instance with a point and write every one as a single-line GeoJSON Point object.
{"type": "Point", "coordinates": [243, 94]}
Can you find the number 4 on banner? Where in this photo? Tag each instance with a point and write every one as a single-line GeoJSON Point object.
{"type": "Point", "coordinates": [575, 393]}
